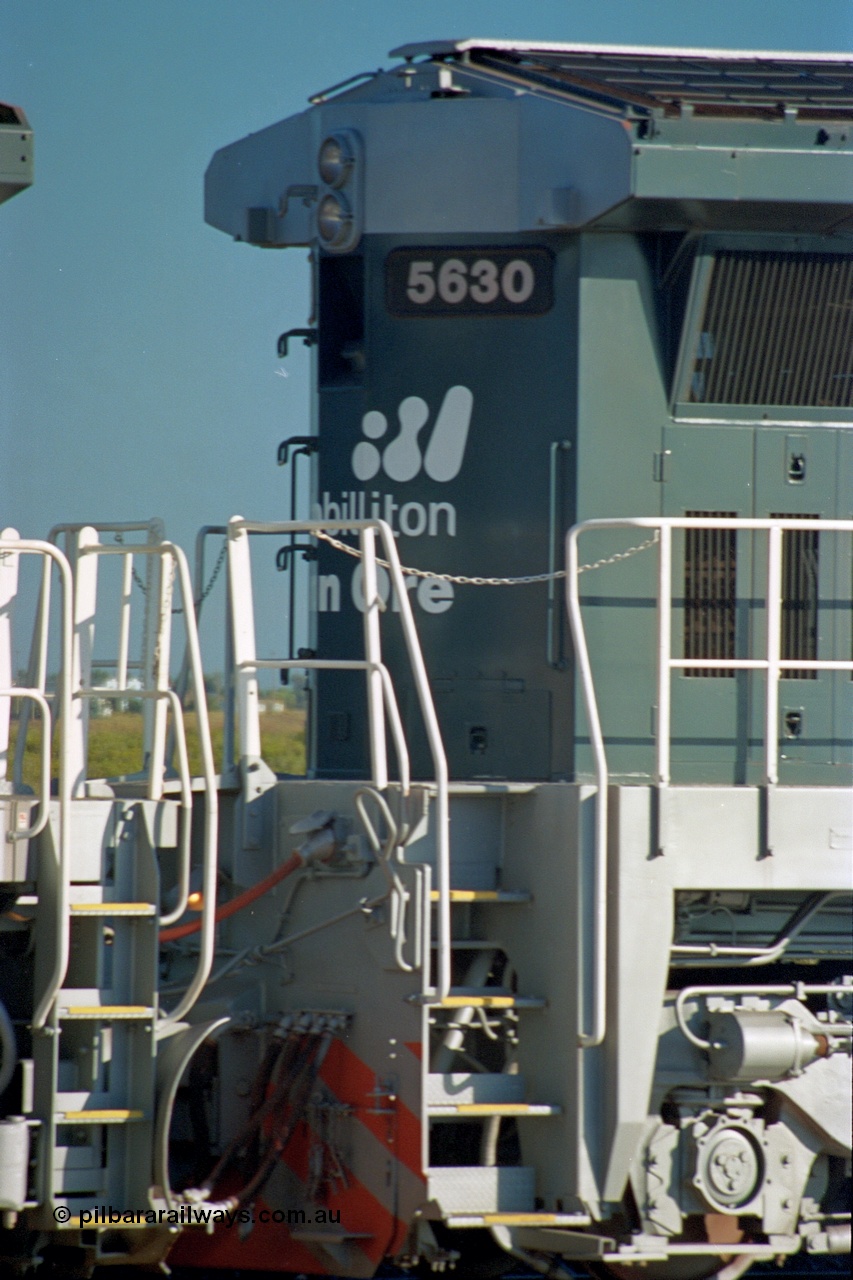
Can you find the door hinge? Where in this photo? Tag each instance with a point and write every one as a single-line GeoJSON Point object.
{"type": "Point", "coordinates": [660, 465]}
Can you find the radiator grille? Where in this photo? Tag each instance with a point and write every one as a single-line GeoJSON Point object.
{"type": "Point", "coordinates": [777, 330]}
{"type": "Point", "coordinates": [800, 550]}
{"type": "Point", "coordinates": [710, 588]}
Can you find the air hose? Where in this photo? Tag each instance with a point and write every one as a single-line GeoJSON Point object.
{"type": "Point", "coordinates": [245, 899]}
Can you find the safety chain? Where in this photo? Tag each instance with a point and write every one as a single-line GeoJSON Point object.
{"type": "Point", "coordinates": [461, 580]}
{"type": "Point", "coordinates": [199, 601]}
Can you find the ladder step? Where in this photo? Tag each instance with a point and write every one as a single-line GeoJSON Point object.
{"type": "Point", "coordinates": [485, 895]}
{"type": "Point", "coordinates": [460, 1110]}
{"type": "Point", "coordinates": [476, 1189]}
{"type": "Point", "coordinates": [482, 998]}
{"type": "Point", "coordinates": [104, 1115]}
{"type": "Point", "coordinates": [86, 909]}
{"type": "Point", "coordinates": [105, 1012]}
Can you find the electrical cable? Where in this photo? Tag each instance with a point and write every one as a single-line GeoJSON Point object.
{"type": "Point", "coordinates": [244, 899]}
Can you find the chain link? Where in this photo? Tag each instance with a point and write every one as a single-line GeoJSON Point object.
{"type": "Point", "coordinates": [461, 580]}
{"type": "Point", "coordinates": [211, 582]}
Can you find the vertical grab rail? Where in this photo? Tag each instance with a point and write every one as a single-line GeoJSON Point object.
{"type": "Point", "coordinates": [595, 1035]}
{"type": "Point", "coordinates": [772, 664]}
{"type": "Point", "coordinates": [246, 664]}
{"type": "Point", "coordinates": [63, 698]}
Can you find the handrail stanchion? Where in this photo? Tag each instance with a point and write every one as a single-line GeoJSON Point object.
{"type": "Point", "coordinates": [36, 667]}
{"type": "Point", "coordinates": [664, 680]}
{"type": "Point", "coordinates": [43, 794]}
{"type": "Point", "coordinates": [664, 689]}
{"type": "Point", "coordinates": [373, 654]}
{"type": "Point", "coordinates": [85, 597]}
{"type": "Point", "coordinates": [124, 621]}
{"type": "Point", "coordinates": [211, 799]}
{"type": "Point", "coordinates": [243, 637]}
{"type": "Point", "coordinates": [595, 1035]}
{"type": "Point", "coordinates": [63, 694]}
{"type": "Point", "coordinates": [439, 759]}
{"type": "Point", "coordinates": [773, 620]}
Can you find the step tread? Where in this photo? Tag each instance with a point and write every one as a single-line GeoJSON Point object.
{"type": "Point", "coordinates": [462, 1109]}
{"type": "Point", "coordinates": [86, 909]}
{"type": "Point", "coordinates": [99, 1115]}
{"type": "Point", "coordinates": [485, 895]}
{"type": "Point", "coordinates": [482, 998]}
{"type": "Point", "coordinates": [105, 1012]}
{"type": "Point", "coordinates": [77, 1106]}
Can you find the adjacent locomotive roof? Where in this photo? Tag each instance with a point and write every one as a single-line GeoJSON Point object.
{"type": "Point", "coordinates": [711, 81]}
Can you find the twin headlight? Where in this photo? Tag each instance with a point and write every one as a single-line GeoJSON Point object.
{"type": "Point", "coordinates": [338, 223]}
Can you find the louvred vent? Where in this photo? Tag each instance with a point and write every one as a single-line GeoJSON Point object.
{"type": "Point", "coordinates": [777, 330]}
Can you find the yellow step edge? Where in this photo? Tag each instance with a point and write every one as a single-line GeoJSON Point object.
{"type": "Point", "coordinates": [108, 1115]}
{"type": "Point", "coordinates": [496, 1108]}
{"type": "Point", "coordinates": [475, 1002]}
{"type": "Point", "coordinates": [481, 895]}
{"type": "Point", "coordinates": [113, 909]}
{"type": "Point", "coordinates": [106, 1011]}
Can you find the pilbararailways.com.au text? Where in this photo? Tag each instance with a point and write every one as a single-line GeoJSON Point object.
{"type": "Point", "coordinates": [191, 1215]}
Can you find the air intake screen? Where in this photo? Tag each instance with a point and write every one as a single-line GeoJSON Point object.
{"type": "Point", "coordinates": [777, 330]}
{"type": "Point", "coordinates": [799, 597]}
{"type": "Point", "coordinates": [710, 587]}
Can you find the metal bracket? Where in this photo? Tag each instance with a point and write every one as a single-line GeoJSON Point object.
{"type": "Point", "coordinates": [308, 336]}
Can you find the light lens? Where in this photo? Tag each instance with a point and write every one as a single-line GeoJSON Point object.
{"type": "Point", "coordinates": [334, 220]}
{"type": "Point", "coordinates": [335, 160]}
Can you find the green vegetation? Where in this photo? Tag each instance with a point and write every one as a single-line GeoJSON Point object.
{"type": "Point", "coordinates": [115, 742]}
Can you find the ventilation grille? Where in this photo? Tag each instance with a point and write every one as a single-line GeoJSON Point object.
{"type": "Point", "coordinates": [710, 586]}
{"type": "Point", "coordinates": [800, 549]}
{"type": "Point", "coordinates": [777, 330]}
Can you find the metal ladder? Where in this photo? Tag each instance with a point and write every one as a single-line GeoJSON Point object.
{"type": "Point", "coordinates": [92, 859]}
{"type": "Point", "coordinates": [485, 1194]}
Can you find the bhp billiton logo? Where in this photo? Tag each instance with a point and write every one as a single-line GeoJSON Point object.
{"type": "Point", "coordinates": [402, 458]}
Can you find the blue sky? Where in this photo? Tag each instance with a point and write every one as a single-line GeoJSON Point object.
{"type": "Point", "coordinates": [138, 373]}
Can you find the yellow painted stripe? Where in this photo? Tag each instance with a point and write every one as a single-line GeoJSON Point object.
{"type": "Point", "coordinates": [112, 908]}
{"type": "Point", "coordinates": [522, 1219]}
{"type": "Point", "coordinates": [476, 1002]}
{"type": "Point", "coordinates": [469, 895]}
{"type": "Point", "coordinates": [106, 1011]}
{"type": "Point", "coordinates": [113, 1115]}
{"type": "Point", "coordinates": [493, 1108]}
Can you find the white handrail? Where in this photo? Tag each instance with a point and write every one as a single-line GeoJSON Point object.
{"type": "Point", "coordinates": [773, 664]}
{"type": "Point", "coordinates": [168, 550]}
{"type": "Point", "coordinates": [245, 659]}
{"type": "Point", "coordinates": [43, 798]}
{"type": "Point", "coordinates": [63, 695]}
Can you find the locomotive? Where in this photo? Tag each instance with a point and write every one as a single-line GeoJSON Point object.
{"type": "Point", "coordinates": [545, 961]}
